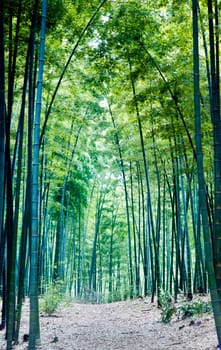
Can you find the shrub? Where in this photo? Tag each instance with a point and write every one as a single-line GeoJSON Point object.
{"type": "Point", "coordinates": [168, 309]}
{"type": "Point", "coordinates": [52, 298]}
{"type": "Point", "coordinates": [194, 308]}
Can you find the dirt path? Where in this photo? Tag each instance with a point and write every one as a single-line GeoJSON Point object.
{"type": "Point", "coordinates": [129, 325]}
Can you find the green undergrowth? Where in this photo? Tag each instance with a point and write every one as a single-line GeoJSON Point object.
{"type": "Point", "coordinates": [168, 308]}
{"type": "Point", "coordinates": [53, 298]}
{"type": "Point", "coordinates": [184, 309]}
{"type": "Point", "coordinates": [194, 308]}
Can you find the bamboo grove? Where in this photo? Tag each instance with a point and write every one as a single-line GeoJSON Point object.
{"type": "Point", "coordinates": [110, 154]}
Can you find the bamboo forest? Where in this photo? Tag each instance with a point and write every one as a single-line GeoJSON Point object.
{"type": "Point", "coordinates": [110, 159]}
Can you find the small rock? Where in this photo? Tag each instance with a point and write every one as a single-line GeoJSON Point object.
{"type": "Point", "coordinates": [182, 326]}
{"type": "Point", "coordinates": [55, 340]}
{"type": "Point", "coordinates": [25, 337]}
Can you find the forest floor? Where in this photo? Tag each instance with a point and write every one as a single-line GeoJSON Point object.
{"type": "Point", "coordinates": [129, 325]}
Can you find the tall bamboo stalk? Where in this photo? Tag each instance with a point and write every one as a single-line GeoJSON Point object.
{"type": "Point", "coordinates": [34, 327]}
{"type": "Point", "coordinates": [216, 303]}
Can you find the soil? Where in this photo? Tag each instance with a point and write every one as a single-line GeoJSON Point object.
{"type": "Point", "coordinates": [129, 325]}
